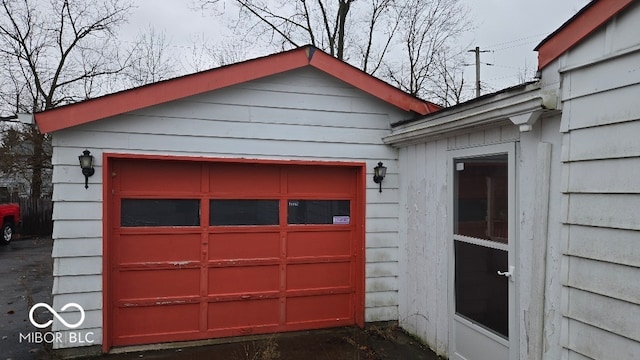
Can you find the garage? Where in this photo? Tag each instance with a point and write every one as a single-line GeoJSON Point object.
{"type": "Point", "coordinates": [206, 249]}
{"type": "Point", "coordinates": [229, 202]}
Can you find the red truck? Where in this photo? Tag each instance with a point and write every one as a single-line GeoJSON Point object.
{"type": "Point", "coordinates": [9, 218]}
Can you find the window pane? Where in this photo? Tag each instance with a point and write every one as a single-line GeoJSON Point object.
{"type": "Point", "coordinates": [159, 212]}
{"type": "Point", "coordinates": [319, 212]}
{"type": "Point", "coordinates": [481, 294]}
{"type": "Point", "coordinates": [244, 212]}
{"type": "Point", "coordinates": [481, 198]}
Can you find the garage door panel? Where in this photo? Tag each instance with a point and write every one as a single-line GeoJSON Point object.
{"type": "Point", "coordinates": [136, 213]}
{"type": "Point", "coordinates": [244, 212]}
{"type": "Point", "coordinates": [212, 249]}
{"type": "Point", "coordinates": [321, 180]}
{"type": "Point", "coordinates": [250, 245]}
{"type": "Point", "coordinates": [318, 243]}
{"type": "Point", "coordinates": [153, 284]}
{"type": "Point", "coordinates": [145, 248]}
{"type": "Point", "coordinates": [241, 179]}
{"type": "Point", "coordinates": [313, 276]}
{"type": "Point", "coordinates": [245, 313]}
{"type": "Point", "coordinates": [160, 176]}
{"type": "Point", "coordinates": [319, 212]}
{"type": "Point", "coordinates": [244, 279]}
{"type": "Point", "coordinates": [150, 320]}
{"type": "Point", "coordinates": [318, 308]}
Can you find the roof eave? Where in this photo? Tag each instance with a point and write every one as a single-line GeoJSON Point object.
{"type": "Point", "coordinates": [372, 85]}
{"type": "Point", "coordinates": [169, 90]}
{"type": "Point", "coordinates": [580, 26]}
{"type": "Point", "coordinates": [521, 108]}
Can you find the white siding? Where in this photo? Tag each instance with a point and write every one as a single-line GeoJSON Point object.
{"type": "Point", "coordinates": [425, 276]}
{"type": "Point", "coordinates": [424, 303]}
{"type": "Point", "coordinates": [425, 238]}
{"type": "Point", "coordinates": [601, 157]}
{"type": "Point", "coordinates": [302, 115]}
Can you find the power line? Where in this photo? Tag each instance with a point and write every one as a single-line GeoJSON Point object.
{"type": "Point", "coordinates": [504, 66]}
{"type": "Point", "coordinates": [517, 40]}
{"type": "Point", "coordinates": [515, 46]}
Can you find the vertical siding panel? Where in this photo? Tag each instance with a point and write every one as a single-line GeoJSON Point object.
{"type": "Point", "coordinates": [442, 243]}
{"type": "Point", "coordinates": [451, 143]}
{"type": "Point", "coordinates": [423, 318]}
{"type": "Point", "coordinates": [553, 284]}
{"type": "Point", "coordinates": [462, 140]}
{"type": "Point", "coordinates": [477, 138]}
{"type": "Point", "coordinates": [509, 133]}
{"type": "Point", "coordinates": [426, 313]}
{"type": "Point", "coordinates": [425, 274]}
{"type": "Point", "coordinates": [403, 239]}
{"type": "Point", "coordinates": [492, 135]}
{"type": "Point", "coordinates": [413, 225]}
{"type": "Point", "coordinates": [526, 221]}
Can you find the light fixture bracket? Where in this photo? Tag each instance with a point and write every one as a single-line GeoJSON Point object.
{"type": "Point", "coordinates": [86, 164]}
{"type": "Point", "coordinates": [379, 172]}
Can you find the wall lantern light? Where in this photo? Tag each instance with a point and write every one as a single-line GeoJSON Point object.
{"type": "Point", "coordinates": [86, 163]}
{"type": "Point", "coordinates": [379, 172]}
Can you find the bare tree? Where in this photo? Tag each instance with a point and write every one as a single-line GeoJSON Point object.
{"type": "Point", "coordinates": [400, 41]}
{"type": "Point", "coordinates": [381, 24]}
{"type": "Point", "coordinates": [54, 53]}
{"type": "Point", "coordinates": [203, 55]}
{"type": "Point", "coordinates": [428, 26]}
{"type": "Point", "coordinates": [448, 84]}
{"type": "Point", "coordinates": [526, 73]}
{"type": "Point", "coordinates": [295, 23]}
{"type": "Point", "coordinates": [151, 59]}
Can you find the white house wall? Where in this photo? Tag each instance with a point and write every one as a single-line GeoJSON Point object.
{"type": "Point", "coordinates": [426, 244]}
{"type": "Point", "coordinates": [303, 115]}
{"type": "Point", "coordinates": [539, 240]}
{"type": "Point", "coordinates": [601, 192]}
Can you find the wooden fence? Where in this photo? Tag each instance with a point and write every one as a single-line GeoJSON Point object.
{"type": "Point", "coordinates": [36, 216]}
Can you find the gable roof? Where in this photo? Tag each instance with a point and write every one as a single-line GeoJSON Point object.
{"type": "Point", "coordinates": [581, 25]}
{"type": "Point", "coordinates": [164, 91]}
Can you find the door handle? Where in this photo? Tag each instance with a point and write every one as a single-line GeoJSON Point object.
{"type": "Point", "coordinates": [509, 273]}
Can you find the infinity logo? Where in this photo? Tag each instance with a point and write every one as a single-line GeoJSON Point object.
{"type": "Point", "coordinates": [55, 313]}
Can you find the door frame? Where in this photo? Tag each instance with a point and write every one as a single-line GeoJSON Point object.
{"type": "Point", "coordinates": [107, 225]}
{"type": "Point", "coordinates": [511, 149]}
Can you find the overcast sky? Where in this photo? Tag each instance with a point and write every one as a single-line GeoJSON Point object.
{"type": "Point", "coordinates": [508, 29]}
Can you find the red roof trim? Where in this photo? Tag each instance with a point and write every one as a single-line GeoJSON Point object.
{"type": "Point", "coordinates": [189, 85]}
{"type": "Point", "coordinates": [585, 22]}
{"type": "Point", "coordinates": [372, 85]}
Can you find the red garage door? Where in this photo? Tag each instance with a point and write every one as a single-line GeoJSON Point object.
{"type": "Point", "coordinates": [202, 250]}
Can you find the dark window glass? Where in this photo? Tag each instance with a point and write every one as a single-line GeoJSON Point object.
{"type": "Point", "coordinates": [481, 198]}
{"type": "Point", "coordinates": [319, 212]}
{"type": "Point", "coordinates": [159, 212]}
{"type": "Point", "coordinates": [481, 294]}
{"type": "Point", "coordinates": [244, 212]}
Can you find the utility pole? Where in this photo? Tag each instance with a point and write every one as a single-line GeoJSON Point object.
{"type": "Point", "coordinates": [477, 51]}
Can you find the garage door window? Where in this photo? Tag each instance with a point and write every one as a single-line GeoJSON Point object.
{"type": "Point", "coordinates": [319, 212]}
{"type": "Point", "coordinates": [244, 212]}
{"type": "Point", "coordinates": [160, 212]}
